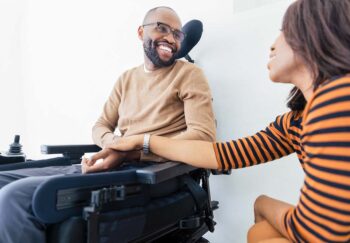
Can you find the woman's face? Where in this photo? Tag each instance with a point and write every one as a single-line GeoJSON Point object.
{"type": "Point", "coordinates": [283, 65]}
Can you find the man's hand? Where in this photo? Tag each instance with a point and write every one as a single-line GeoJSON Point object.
{"type": "Point", "coordinates": [127, 143]}
{"type": "Point", "coordinates": [110, 160]}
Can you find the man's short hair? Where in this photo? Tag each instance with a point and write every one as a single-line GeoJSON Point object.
{"type": "Point", "coordinates": [151, 11]}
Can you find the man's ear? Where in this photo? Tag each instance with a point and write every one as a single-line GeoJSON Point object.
{"type": "Point", "coordinates": [140, 32]}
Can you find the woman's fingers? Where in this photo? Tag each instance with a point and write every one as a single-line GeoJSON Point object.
{"type": "Point", "coordinates": [110, 160]}
{"type": "Point", "coordinates": [99, 155]}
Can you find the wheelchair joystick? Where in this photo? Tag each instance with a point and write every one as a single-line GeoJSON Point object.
{"type": "Point", "coordinates": [15, 147]}
{"type": "Point", "coordinates": [14, 154]}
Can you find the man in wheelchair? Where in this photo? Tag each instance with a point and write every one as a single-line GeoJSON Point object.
{"type": "Point", "coordinates": [163, 96]}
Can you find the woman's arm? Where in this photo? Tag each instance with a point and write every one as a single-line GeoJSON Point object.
{"type": "Point", "coordinates": [193, 152]}
{"type": "Point", "coordinates": [266, 145]}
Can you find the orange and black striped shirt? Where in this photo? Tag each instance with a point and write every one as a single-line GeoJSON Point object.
{"type": "Point", "coordinates": [321, 139]}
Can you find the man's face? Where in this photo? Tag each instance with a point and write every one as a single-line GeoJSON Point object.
{"type": "Point", "coordinates": [160, 52]}
{"type": "Point", "coordinates": [160, 39]}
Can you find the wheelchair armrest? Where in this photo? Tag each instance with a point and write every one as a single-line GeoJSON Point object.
{"type": "Point", "coordinates": [73, 152]}
{"type": "Point", "coordinates": [162, 171]}
{"type": "Point", "coordinates": [37, 164]}
{"type": "Point", "coordinates": [59, 197]}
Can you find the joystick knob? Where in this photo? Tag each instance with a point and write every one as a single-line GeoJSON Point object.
{"type": "Point", "coordinates": [15, 147]}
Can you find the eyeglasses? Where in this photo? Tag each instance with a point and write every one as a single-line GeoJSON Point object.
{"type": "Point", "coordinates": [165, 29]}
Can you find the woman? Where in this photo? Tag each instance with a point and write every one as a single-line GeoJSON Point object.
{"type": "Point", "coordinates": [313, 53]}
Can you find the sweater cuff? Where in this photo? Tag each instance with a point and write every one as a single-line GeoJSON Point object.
{"type": "Point", "coordinates": [109, 138]}
{"type": "Point", "coordinates": [217, 156]}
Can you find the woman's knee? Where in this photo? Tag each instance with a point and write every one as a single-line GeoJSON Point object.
{"type": "Point", "coordinates": [257, 214]}
{"type": "Point", "coordinates": [276, 240]}
{"type": "Point", "coordinates": [262, 231]}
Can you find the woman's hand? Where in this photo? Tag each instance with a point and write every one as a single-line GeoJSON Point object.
{"type": "Point", "coordinates": [127, 143]}
{"type": "Point", "coordinates": [110, 159]}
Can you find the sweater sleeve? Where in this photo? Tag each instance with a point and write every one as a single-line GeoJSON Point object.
{"type": "Point", "coordinates": [103, 130]}
{"type": "Point", "coordinates": [266, 145]}
{"type": "Point", "coordinates": [323, 211]}
{"type": "Point", "coordinates": [198, 108]}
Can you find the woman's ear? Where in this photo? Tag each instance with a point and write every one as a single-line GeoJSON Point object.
{"type": "Point", "coordinates": [140, 32]}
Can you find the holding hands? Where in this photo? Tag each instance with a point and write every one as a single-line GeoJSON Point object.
{"type": "Point", "coordinates": [127, 148]}
{"type": "Point", "coordinates": [110, 160]}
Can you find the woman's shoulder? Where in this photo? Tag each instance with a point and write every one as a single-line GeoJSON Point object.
{"type": "Point", "coordinates": [333, 87]}
{"type": "Point", "coordinates": [329, 101]}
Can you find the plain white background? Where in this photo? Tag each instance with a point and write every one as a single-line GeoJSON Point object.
{"type": "Point", "coordinates": [60, 59]}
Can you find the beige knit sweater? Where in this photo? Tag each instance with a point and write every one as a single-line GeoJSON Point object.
{"type": "Point", "coordinates": [173, 101]}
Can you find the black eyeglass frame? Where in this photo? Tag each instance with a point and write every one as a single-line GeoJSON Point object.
{"type": "Point", "coordinates": [174, 32]}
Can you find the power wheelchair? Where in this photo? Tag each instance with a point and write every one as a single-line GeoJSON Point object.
{"type": "Point", "coordinates": [138, 202]}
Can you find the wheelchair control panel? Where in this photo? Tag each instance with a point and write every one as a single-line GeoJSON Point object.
{"type": "Point", "coordinates": [14, 153]}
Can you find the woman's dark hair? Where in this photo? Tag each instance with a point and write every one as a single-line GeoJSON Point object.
{"type": "Point", "coordinates": [318, 32]}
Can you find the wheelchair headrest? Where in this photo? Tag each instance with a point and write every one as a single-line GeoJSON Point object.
{"type": "Point", "coordinates": [193, 30]}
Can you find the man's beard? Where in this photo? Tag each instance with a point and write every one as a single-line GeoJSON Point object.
{"type": "Point", "coordinates": [150, 48]}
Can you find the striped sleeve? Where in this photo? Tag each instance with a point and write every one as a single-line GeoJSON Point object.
{"type": "Point", "coordinates": [323, 211]}
{"type": "Point", "coordinates": [266, 145]}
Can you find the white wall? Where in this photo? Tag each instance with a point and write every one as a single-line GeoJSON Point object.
{"type": "Point", "coordinates": [59, 60]}
{"type": "Point", "coordinates": [234, 53]}
{"type": "Point", "coordinates": [11, 71]}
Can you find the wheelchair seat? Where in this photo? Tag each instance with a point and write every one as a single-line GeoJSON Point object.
{"type": "Point", "coordinates": [138, 202]}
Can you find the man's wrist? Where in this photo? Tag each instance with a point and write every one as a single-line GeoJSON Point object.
{"type": "Point", "coordinates": [108, 139]}
{"type": "Point", "coordinates": [145, 146]}
{"type": "Point", "coordinates": [115, 138]}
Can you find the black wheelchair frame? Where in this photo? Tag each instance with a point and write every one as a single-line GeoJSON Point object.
{"type": "Point", "coordinates": [152, 202]}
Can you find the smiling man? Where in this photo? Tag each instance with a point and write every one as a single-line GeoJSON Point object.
{"type": "Point", "coordinates": [163, 96]}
